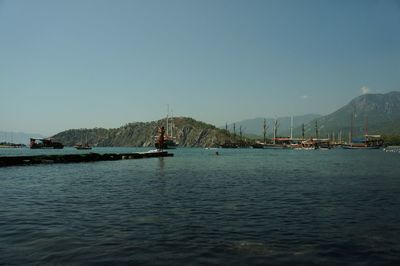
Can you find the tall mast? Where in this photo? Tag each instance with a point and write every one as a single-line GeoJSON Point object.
{"type": "Point", "coordinates": [265, 130]}
{"type": "Point", "coordinates": [366, 130]}
{"type": "Point", "coordinates": [302, 131]}
{"type": "Point", "coordinates": [172, 122]}
{"type": "Point", "coordinates": [316, 129]}
{"type": "Point", "coordinates": [351, 128]}
{"type": "Point", "coordinates": [167, 118]}
{"type": "Point", "coordinates": [291, 128]}
{"type": "Point", "coordinates": [275, 130]}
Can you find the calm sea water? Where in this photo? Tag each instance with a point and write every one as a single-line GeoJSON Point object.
{"type": "Point", "coordinates": [243, 207]}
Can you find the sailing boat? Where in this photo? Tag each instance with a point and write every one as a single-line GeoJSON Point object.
{"type": "Point", "coordinates": [81, 146]}
{"type": "Point", "coordinates": [276, 142]}
{"type": "Point", "coordinates": [169, 140]}
{"type": "Point", "coordinates": [258, 144]}
{"type": "Point", "coordinates": [369, 141]}
{"type": "Point", "coordinates": [275, 139]}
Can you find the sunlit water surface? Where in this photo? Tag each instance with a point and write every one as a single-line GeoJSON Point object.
{"type": "Point", "coordinates": [243, 207]}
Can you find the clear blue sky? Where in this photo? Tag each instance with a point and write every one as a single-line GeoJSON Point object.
{"type": "Point", "coordinates": [92, 63]}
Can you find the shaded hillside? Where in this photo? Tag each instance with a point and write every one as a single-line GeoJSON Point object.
{"type": "Point", "coordinates": [380, 111]}
{"type": "Point", "coordinates": [189, 133]}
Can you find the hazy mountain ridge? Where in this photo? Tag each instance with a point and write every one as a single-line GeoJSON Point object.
{"type": "Point", "coordinates": [382, 111]}
{"type": "Point", "coordinates": [379, 112]}
{"type": "Point", "coordinates": [18, 137]}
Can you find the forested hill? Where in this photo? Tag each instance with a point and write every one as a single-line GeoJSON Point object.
{"type": "Point", "coordinates": [189, 133]}
{"type": "Point", "coordinates": [380, 112]}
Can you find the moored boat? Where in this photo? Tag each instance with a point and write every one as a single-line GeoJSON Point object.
{"type": "Point", "coordinates": [83, 147]}
{"type": "Point", "coordinates": [358, 147]}
{"type": "Point", "coordinates": [40, 143]}
{"type": "Point", "coordinates": [11, 145]}
{"type": "Point", "coordinates": [368, 142]}
{"type": "Point", "coordinates": [258, 145]}
{"type": "Point", "coordinates": [392, 149]}
{"type": "Point", "coordinates": [229, 145]}
{"type": "Point", "coordinates": [169, 141]}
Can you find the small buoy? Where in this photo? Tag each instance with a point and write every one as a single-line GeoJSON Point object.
{"type": "Point", "coordinates": [216, 153]}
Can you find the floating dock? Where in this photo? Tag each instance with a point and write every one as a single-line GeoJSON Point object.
{"type": "Point", "coordinates": [78, 158]}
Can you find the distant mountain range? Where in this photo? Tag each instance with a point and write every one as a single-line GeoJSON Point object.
{"type": "Point", "coordinates": [17, 137]}
{"type": "Point", "coordinates": [382, 111]}
{"type": "Point", "coordinates": [373, 113]}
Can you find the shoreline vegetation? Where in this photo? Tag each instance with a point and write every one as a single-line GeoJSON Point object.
{"type": "Point", "coordinates": [11, 145]}
{"type": "Point", "coordinates": [191, 133]}
{"type": "Point", "coordinates": [365, 115]}
{"type": "Point", "coordinates": [226, 139]}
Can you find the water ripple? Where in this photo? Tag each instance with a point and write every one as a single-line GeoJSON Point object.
{"type": "Point", "coordinates": [244, 207]}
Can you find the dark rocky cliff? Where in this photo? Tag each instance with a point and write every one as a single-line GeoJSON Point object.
{"type": "Point", "coordinates": [188, 132]}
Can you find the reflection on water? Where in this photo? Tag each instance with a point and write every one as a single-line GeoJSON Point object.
{"type": "Point", "coordinates": [161, 166]}
{"type": "Point", "coordinates": [244, 207]}
{"type": "Point", "coordinates": [252, 248]}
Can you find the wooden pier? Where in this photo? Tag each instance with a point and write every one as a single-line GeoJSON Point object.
{"type": "Point", "coordinates": [78, 158]}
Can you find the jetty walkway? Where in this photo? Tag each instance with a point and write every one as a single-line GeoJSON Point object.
{"type": "Point", "coordinates": [78, 158]}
